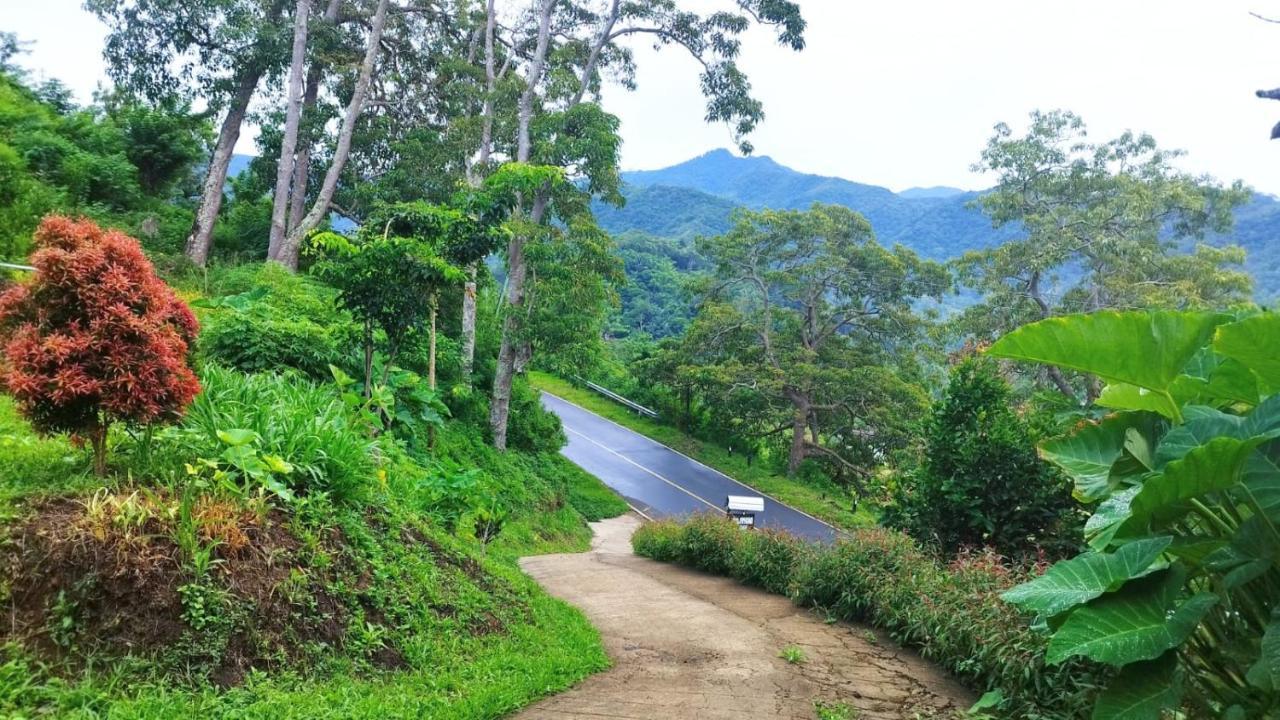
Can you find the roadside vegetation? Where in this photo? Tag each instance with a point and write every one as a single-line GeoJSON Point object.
{"type": "Point", "coordinates": [270, 435]}
{"type": "Point", "coordinates": [824, 500]}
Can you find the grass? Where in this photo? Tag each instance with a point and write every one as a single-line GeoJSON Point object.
{"type": "Point", "coordinates": [828, 502]}
{"type": "Point", "coordinates": [834, 710]}
{"type": "Point", "coordinates": [482, 678]}
{"type": "Point", "coordinates": [546, 646]}
{"type": "Point", "coordinates": [794, 655]}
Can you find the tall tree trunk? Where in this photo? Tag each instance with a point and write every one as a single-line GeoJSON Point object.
{"type": "Point", "coordinates": [292, 117]}
{"type": "Point", "coordinates": [486, 148]}
{"type": "Point", "coordinates": [201, 237]}
{"type": "Point", "coordinates": [431, 345]}
{"type": "Point", "coordinates": [288, 255]}
{"type": "Point", "coordinates": [799, 423]}
{"type": "Point", "coordinates": [306, 137]}
{"type": "Point", "coordinates": [500, 404]}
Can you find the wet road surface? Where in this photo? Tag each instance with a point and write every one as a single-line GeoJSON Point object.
{"type": "Point", "coordinates": [658, 481]}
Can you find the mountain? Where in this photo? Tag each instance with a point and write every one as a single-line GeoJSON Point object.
{"type": "Point", "coordinates": [696, 197]}
{"type": "Point", "coordinates": [937, 191]}
{"type": "Point", "coordinates": [703, 191]}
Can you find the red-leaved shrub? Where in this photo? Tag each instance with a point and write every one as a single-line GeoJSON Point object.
{"type": "Point", "coordinates": [95, 337]}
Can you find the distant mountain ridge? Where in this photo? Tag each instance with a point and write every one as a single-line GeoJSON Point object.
{"type": "Point", "coordinates": [697, 196]}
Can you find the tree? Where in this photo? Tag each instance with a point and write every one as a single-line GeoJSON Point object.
{"type": "Point", "coordinates": [800, 311]}
{"type": "Point", "coordinates": [980, 483]}
{"type": "Point", "coordinates": [95, 338]}
{"type": "Point", "coordinates": [287, 251]}
{"type": "Point", "coordinates": [293, 116]}
{"type": "Point", "coordinates": [572, 47]}
{"type": "Point", "coordinates": [389, 282]}
{"type": "Point", "coordinates": [1102, 226]}
{"type": "Point", "coordinates": [219, 50]}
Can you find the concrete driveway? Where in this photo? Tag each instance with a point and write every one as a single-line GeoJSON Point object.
{"type": "Point", "coordinates": [687, 645]}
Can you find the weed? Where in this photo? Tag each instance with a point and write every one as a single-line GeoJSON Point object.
{"type": "Point", "coordinates": [834, 710]}
{"type": "Point", "coordinates": [794, 655]}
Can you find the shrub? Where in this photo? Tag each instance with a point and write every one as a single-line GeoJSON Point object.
{"type": "Point", "coordinates": [262, 338]}
{"type": "Point", "coordinates": [95, 338]}
{"type": "Point", "coordinates": [953, 614]}
{"type": "Point", "coordinates": [264, 318]}
{"type": "Point", "coordinates": [981, 483]}
{"type": "Point", "coordinates": [532, 428]}
{"type": "Point", "coordinates": [304, 435]}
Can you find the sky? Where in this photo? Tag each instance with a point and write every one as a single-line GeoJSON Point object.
{"type": "Point", "coordinates": [904, 93]}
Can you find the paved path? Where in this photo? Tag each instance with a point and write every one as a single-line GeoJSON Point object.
{"type": "Point", "coordinates": [659, 481]}
{"type": "Point", "coordinates": [687, 646]}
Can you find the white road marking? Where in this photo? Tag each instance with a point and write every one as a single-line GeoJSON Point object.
{"type": "Point", "coordinates": [739, 483]}
{"type": "Point", "coordinates": [684, 490]}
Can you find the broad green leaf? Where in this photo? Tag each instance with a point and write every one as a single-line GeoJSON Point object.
{"type": "Point", "coordinates": [1265, 674]}
{"type": "Point", "coordinates": [1085, 577]}
{"type": "Point", "coordinates": [1123, 396]}
{"type": "Point", "coordinates": [1102, 526]}
{"type": "Point", "coordinates": [237, 436]}
{"type": "Point", "coordinates": [277, 464]}
{"type": "Point", "coordinates": [1140, 621]}
{"type": "Point", "coordinates": [1141, 691]}
{"type": "Point", "coordinates": [1213, 467]}
{"type": "Point", "coordinates": [1255, 343]}
{"type": "Point", "coordinates": [1207, 424]}
{"type": "Point", "coordinates": [1232, 381]}
{"type": "Point", "coordinates": [1203, 424]}
{"type": "Point", "coordinates": [1087, 455]}
{"type": "Point", "coordinates": [990, 700]}
{"type": "Point", "coordinates": [1261, 479]}
{"type": "Point", "coordinates": [1147, 349]}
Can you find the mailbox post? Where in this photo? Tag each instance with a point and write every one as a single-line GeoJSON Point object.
{"type": "Point", "coordinates": [743, 509]}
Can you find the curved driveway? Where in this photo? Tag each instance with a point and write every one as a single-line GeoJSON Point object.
{"type": "Point", "coordinates": [658, 481]}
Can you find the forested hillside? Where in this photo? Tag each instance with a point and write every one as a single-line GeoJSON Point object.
{"type": "Point", "coordinates": [696, 197]}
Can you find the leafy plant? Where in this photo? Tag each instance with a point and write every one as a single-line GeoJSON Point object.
{"type": "Point", "coordinates": [95, 338]}
{"type": "Point", "coordinates": [1180, 586]}
{"type": "Point", "coordinates": [981, 483]}
{"type": "Point", "coordinates": [284, 435]}
{"type": "Point", "coordinates": [794, 655]}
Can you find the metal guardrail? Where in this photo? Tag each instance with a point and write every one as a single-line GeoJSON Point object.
{"type": "Point", "coordinates": [637, 407]}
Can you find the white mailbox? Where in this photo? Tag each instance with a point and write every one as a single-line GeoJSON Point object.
{"type": "Point", "coordinates": [744, 509]}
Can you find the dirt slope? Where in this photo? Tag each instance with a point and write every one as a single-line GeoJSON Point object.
{"type": "Point", "coordinates": [688, 645]}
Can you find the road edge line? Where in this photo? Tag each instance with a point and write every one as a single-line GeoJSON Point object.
{"type": "Point", "coordinates": [739, 483]}
{"type": "Point", "coordinates": [654, 473]}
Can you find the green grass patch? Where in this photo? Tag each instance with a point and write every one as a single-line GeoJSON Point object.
{"type": "Point", "coordinates": [826, 501]}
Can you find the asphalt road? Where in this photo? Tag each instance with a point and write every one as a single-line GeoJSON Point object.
{"type": "Point", "coordinates": [659, 481]}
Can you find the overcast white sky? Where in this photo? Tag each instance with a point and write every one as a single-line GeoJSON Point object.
{"type": "Point", "coordinates": [903, 93]}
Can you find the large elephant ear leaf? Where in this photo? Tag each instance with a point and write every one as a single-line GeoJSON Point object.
{"type": "Point", "coordinates": [1123, 396]}
{"type": "Point", "coordinates": [1085, 577]}
{"type": "Point", "coordinates": [1146, 349]}
{"type": "Point", "coordinates": [1089, 454]}
{"type": "Point", "coordinates": [1213, 467]}
{"type": "Point", "coordinates": [1142, 691]}
{"type": "Point", "coordinates": [1138, 622]}
{"type": "Point", "coordinates": [1255, 343]}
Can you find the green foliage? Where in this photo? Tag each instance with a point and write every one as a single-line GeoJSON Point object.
{"type": "Point", "coordinates": [1126, 210]}
{"type": "Point", "coordinates": [118, 163]}
{"type": "Point", "coordinates": [980, 483]}
{"type": "Point", "coordinates": [952, 613]}
{"type": "Point", "coordinates": [263, 338]}
{"type": "Point", "coordinates": [1180, 583]}
{"type": "Point", "coordinates": [269, 432]}
{"type": "Point", "coordinates": [802, 311]}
